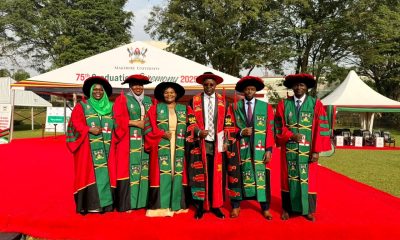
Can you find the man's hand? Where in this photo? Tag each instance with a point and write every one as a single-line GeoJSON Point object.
{"type": "Point", "coordinates": [267, 157]}
{"type": "Point", "coordinates": [167, 135]}
{"type": "Point", "coordinates": [314, 157]}
{"type": "Point", "coordinates": [247, 132]}
{"type": "Point", "coordinates": [297, 137]}
{"type": "Point", "coordinates": [225, 147]}
{"type": "Point", "coordinates": [203, 133]}
{"type": "Point", "coordinates": [95, 130]}
{"type": "Point", "coordinates": [137, 123]}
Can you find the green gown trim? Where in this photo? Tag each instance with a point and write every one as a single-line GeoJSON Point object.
{"type": "Point", "coordinates": [171, 188]}
{"type": "Point", "coordinates": [298, 154]}
{"type": "Point", "coordinates": [100, 147]}
{"type": "Point", "coordinates": [138, 158]}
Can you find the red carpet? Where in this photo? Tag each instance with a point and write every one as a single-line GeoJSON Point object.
{"type": "Point", "coordinates": [36, 199]}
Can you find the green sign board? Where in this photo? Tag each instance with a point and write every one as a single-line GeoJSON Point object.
{"type": "Point", "coordinates": [55, 119]}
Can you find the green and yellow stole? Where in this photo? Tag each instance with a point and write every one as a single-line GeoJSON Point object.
{"type": "Point", "coordinates": [252, 164]}
{"type": "Point", "coordinates": [100, 147]}
{"type": "Point", "coordinates": [138, 158]}
{"type": "Point", "coordinates": [298, 154]}
{"type": "Point", "coordinates": [171, 188]}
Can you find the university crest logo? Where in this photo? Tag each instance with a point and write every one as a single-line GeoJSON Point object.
{"type": "Point", "coordinates": [137, 55]}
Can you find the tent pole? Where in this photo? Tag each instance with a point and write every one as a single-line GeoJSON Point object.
{"type": "Point", "coordinates": [12, 114]}
{"type": "Point", "coordinates": [371, 122]}
{"type": "Point", "coordinates": [364, 121]}
{"type": "Point", "coordinates": [32, 118]}
{"type": "Point", "coordinates": [65, 114]}
{"type": "Point", "coordinates": [75, 99]}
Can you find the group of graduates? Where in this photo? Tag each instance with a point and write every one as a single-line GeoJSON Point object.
{"type": "Point", "coordinates": [163, 156]}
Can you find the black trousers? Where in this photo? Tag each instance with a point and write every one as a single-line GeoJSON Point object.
{"type": "Point", "coordinates": [210, 147]}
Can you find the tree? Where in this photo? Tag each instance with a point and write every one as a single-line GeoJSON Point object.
{"type": "Point", "coordinates": [318, 34]}
{"type": "Point", "coordinates": [6, 46]}
{"type": "Point", "coordinates": [65, 31]}
{"type": "Point", "coordinates": [230, 35]}
{"type": "Point", "coordinates": [21, 75]}
{"type": "Point", "coordinates": [377, 42]}
{"type": "Point", "coordinates": [5, 73]}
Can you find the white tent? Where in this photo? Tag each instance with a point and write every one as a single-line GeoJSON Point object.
{"type": "Point", "coordinates": [16, 97]}
{"type": "Point", "coordinates": [353, 95]}
{"type": "Point", "coordinates": [117, 64]}
{"type": "Point", "coordinates": [22, 98]}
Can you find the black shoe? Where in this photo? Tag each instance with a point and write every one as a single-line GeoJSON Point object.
{"type": "Point", "coordinates": [217, 212]}
{"type": "Point", "coordinates": [199, 214]}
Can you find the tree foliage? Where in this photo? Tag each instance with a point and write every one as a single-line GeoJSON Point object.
{"type": "Point", "coordinates": [7, 46]}
{"type": "Point", "coordinates": [377, 44]}
{"type": "Point", "coordinates": [230, 35]}
{"type": "Point", "coordinates": [65, 31]}
{"type": "Point", "coordinates": [4, 73]}
{"type": "Point", "coordinates": [21, 75]}
{"type": "Point", "coordinates": [318, 34]}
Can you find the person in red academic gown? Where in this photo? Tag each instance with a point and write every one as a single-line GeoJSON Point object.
{"type": "Point", "coordinates": [130, 159]}
{"type": "Point", "coordinates": [302, 132]}
{"type": "Point", "coordinates": [165, 130]}
{"type": "Point", "coordinates": [88, 138]}
{"type": "Point", "coordinates": [206, 115]}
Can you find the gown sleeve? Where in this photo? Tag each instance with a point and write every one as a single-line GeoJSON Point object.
{"type": "Point", "coordinates": [282, 133]}
{"type": "Point", "coordinates": [77, 129]}
{"type": "Point", "coordinates": [153, 134]}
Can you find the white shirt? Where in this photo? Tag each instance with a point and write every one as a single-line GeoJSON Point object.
{"type": "Point", "coordinates": [246, 107]}
{"type": "Point", "coordinates": [206, 99]}
{"type": "Point", "coordinates": [301, 100]}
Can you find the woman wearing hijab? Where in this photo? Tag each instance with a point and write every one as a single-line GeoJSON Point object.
{"type": "Point", "coordinates": [165, 129]}
{"type": "Point", "coordinates": [89, 139]}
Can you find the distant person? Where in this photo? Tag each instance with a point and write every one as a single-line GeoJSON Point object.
{"type": "Point", "coordinates": [165, 130]}
{"type": "Point", "coordinates": [302, 131]}
{"type": "Point", "coordinates": [249, 124]}
{"type": "Point", "coordinates": [89, 139]}
{"type": "Point", "coordinates": [206, 114]}
{"type": "Point", "coordinates": [131, 161]}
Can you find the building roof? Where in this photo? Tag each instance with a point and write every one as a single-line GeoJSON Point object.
{"type": "Point", "coordinates": [22, 97]}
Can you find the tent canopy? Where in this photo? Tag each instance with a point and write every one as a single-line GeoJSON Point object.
{"type": "Point", "coordinates": [356, 96]}
{"type": "Point", "coordinates": [353, 95]}
{"type": "Point", "coordinates": [117, 64]}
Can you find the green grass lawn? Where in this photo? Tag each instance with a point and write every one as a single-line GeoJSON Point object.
{"type": "Point", "coordinates": [22, 123]}
{"type": "Point", "coordinates": [31, 133]}
{"type": "Point", "coordinates": [379, 169]}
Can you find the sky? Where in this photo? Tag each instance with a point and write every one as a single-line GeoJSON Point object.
{"type": "Point", "coordinates": [141, 10]}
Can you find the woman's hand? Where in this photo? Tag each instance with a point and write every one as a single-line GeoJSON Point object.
{"type": "Point", "coordinates": [167, 135]}
{"type": "Point", "coordinates": [137, 123]}
{"type": "Point", "coordinates": [314, 157]}
{"type": "Point", "coordinates": [297, 137]}
{"type": "Point", "coordinates": [95, 130]}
